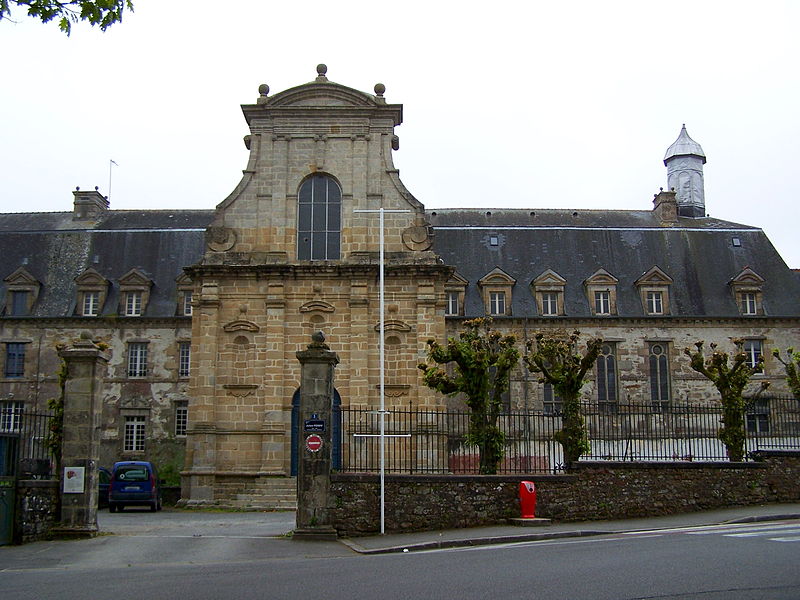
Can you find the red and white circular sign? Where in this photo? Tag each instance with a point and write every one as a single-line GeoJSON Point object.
{"type": "Point", "coordinates": [313, 443]}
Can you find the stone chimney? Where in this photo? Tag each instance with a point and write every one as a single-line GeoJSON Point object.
{"type": "Point", "coordinates": [666, 207]}
{"type": "Point", "coordinates": [89, 206]}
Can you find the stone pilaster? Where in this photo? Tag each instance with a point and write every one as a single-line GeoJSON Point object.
{"type": "Point", "coordinates": [80, 452]}
{"type": "Point", "coordinates": [314, 442]}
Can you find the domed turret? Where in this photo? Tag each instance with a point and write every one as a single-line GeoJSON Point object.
{"type": "Point", "coordinates": [684, 161]}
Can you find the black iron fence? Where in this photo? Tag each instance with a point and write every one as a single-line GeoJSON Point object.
{"type": "Point", "coordinates": [23, 449]}
{"type": "Point", "coordinates": [422, 441]}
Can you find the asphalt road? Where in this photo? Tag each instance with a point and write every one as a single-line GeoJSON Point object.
{"type": "Point", "coordinates": [205, 555]}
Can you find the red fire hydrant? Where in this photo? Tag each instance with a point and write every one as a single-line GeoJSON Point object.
{"type": "Point", "coordinates": [527, 499]}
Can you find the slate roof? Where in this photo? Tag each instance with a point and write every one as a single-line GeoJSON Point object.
{"type": "Point", "coordinates": [55, 250]}
{"type": "Point", "coordinates": [699, 255]}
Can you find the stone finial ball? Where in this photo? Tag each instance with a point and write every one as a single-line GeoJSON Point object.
{"type": "Point", "coordinates": [318, 337]}
{"type": "Point", "coordinates": [380, 89]}
{"type": "Point", "coordinates": [322, 69]}
{"type": "Point", "coordinates": [263, 89]}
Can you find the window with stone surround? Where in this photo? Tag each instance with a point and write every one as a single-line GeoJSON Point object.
{"type": "Point", "coordinates": [606, 382]}
{"type": "Point", "coordinates": [134, 435]}
{"type": "Point", "coordinates": [601, 291]}
{"type": "Point", "coordinates": [22, 290]}
{"type": "Point", "coordinates": [548, 290]}
{"type": "Point", "coordinates": [319, 219]}
{"type": "Point", "coordinates": [747, 290]}
{"type": "Point", "coordinates": [658, 361]}
{"type": "Point", "coordinates": [15, 360]}
{"type": "Point", "coordinates": [134, 288]}
{"type": "Point", "coordinates": [454, 289]}
{"type": "Point", "coordinates": [654, 286]}
{"type": "Point", "coordinates": [181, 417]}
{"type": "Point", "coordinates": [137, 359]}
{"type": "Point", "coordinates": [184, 358]}
{"type": "Point", "coordinates": [184, 289]}
{"type": "Point", "coordinates": [92, 292]}
{"type": "Point", "coordinates": [551, 402]}
{"type": "Point", "coordinates": [754, 350]}
{"type": "Point", "coordinates": [10, 415]}
{"type": "Point", "coordinates": [496, 289]}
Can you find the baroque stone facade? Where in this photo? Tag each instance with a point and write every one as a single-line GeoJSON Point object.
{"type": "Point", "coordinates": [201, 312]}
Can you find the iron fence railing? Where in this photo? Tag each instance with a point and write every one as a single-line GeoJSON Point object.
{"type": "Point", "coordinates": [23, 449]}
{"type": "Point", "coordinates": [426, 441]}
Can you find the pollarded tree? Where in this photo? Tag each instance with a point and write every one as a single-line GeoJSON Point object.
{"type": "Point", "coordinates": [482, 360]}
{"type": "Point", "coordinates": [103, 13]}
{"type": "Point", "coordinates": [792, 367]}
{"type": "Point", "coordinates": [730, 381]}
{"type": "Point", "coordinates": [558, 362]}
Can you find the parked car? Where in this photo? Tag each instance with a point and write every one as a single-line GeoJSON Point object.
{"type": "Point", "coordinates": [134, 483]}
{"type": "Point", "coordinates": [103, 483]}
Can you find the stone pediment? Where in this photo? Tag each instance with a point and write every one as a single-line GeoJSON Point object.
{"type": "Point", "coordinates": [135, 402]}
{"type": "Point", "coordinates": [654, 276]}
{"type": "Point", "coordinates": [321, 94]}
{"type": "Point", "coordinates": [549, 278]}
{"type": "Point", "coordinates": [90, 277]}
{"type": "Point", "coordinates": [747, 277]}
{"type": "Point", "coordinates": [135, 278]}
{"type": "Point", "coordinates": [600, 277]}
{"type": "Point", "coordinates": [21, 278]}
{"type": "Point", "coordinates": [317, 305]}
{"type": "Point", "coordinates": [393, 325]}
{"type": "Point", "coordinates": [241, 325]}
{"type": "Point", "coordinates": [497, 277]}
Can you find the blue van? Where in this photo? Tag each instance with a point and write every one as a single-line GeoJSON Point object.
{"type": "Point", "coordinates": [134, 483]}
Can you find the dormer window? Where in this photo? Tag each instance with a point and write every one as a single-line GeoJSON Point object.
{"type": "Point", "coordinates": [184, 300]}
{"type": "Point", "coordinates": [601, 290]}
{"type": "Point", "coordinates": [91, 304]}
{"type": "Point", "coordinates": [133, 304]}
{"type": "Point", "coordinates": [496, 288]}
{"type": "Point", "coordinates": [602, 303]}
{"type": "Point", "coordinates": [92, 292]}
{"type": "Point", "coordinates": [454, 290]}
{"type": "Point", "coordinates": [654, 287]}
{"type": "Point", "coordinates": [548, 290]}
{"type": "Point", "coordinates": [746, 287]}
{"type": "Point", "coordinates": [134, 288]}
{"type": "Point", "coordinates": [22, 290]}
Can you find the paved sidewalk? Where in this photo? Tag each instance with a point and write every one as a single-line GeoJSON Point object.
{"type": "Point", "coordinates": [501, 534]}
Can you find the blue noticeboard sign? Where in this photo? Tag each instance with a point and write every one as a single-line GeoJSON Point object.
{"type": "Point", "coordinates": [316, 425]}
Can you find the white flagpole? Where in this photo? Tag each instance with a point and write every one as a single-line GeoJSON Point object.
{"type": "Point", "coordinates": [110, 163]}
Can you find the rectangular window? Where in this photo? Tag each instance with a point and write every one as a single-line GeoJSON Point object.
{"type": "Point", "coordinates": [133, 304]}
{"type": "Point", "coordinates": [452, 303]}
{"type": "Point", "coordinates": [551, 402]}
{"type": "Point", "coordinates": [137, 359]}
{"type": "Point", "coordinates": [91, 304]}
{"type": "Point", "coordinates": [655, 303]}
{"type": "Point", "coordinates": [549, 303]}
{"type": "Point", "coordinates": [753, 350]}
{"type": "Point", "coordinates": [748, 304]}
{"type": "Point", "coordinates": [181, 418]}
{"type": "Point", "coordinates": [19, 303]}
{"type": "Point", "coordinates": [497, 303]}
{"type": "Point", "coordinates": [15, 360]}
{"type": "Point", "coordinates": [187, 304]}
{"type": "Point", "coordinates": [758, 417]}
{"type": "Point", "coordinates": [602, 303]}
{"type": "Point", "coordinates": [10, 416]}
{"type": "Point", "coordinates": [184, 358]}
{"type": "Point", "coordinates": [134, 433]}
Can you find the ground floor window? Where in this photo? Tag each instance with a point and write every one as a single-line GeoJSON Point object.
{"type": "Point", "coordinates": [134, 433]}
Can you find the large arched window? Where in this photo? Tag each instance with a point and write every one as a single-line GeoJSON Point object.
{"type": "Point", "coordinates": [319, 219]}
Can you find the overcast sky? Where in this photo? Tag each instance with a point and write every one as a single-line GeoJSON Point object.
{"type": "Point", "coordinates": [506, 104]}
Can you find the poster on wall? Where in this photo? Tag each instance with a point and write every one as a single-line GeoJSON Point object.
{"type": "Point", "coordinates": [74, 478]}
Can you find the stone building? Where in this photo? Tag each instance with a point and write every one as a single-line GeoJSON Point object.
{"type": "Point", "coordinates": [202, 311]}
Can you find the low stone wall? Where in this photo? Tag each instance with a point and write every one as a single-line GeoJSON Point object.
{"type": "Point", "coordinates": [36, 511]}
{"type": "Point", "coordinates": [592, 490]}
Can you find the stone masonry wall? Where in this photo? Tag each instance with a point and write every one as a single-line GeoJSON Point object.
{"type": "Point", "coordinates": [593, 490]}
{"type": "Point", "coordinates": [36, 511]}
